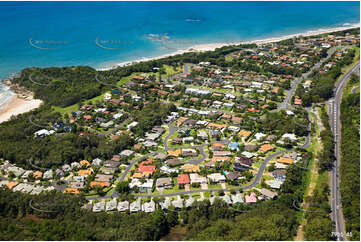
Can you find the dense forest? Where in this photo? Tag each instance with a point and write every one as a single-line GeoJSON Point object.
{"type": "Point", "coordinates": [350, 163]}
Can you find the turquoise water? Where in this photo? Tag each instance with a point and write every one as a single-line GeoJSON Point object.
{"type": "Point", "coordinates": [100, 34]}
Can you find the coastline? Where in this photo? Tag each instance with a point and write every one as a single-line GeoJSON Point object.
{"type": "Point", "coordinates": [23, 101]}
{"type": "Point", "coordinates": [213, 46]}
{"type": "Point", "coordinates": [16, 105]}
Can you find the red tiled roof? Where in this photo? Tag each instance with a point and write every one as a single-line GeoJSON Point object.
{"type": "Point", "coordinates": [183, 179]}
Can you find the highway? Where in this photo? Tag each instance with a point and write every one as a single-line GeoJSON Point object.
{"type": "Point", "coordinates": [334, 115]}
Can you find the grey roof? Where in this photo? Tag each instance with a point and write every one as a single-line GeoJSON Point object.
{"type": "Point", "coordinates": [268, 193]}
{"type": "Point", "coordinates": [160, 156]}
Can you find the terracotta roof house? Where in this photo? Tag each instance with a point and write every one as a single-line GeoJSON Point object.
{"type": "Point", "coordinates": [101, 184]}
{"type": "Point", "coordinates": [87, 117]}
{"type": "Point", "coordinates": [87, 172]}
{"type": "Point", "coordinates": [252, 110]}
{"type": "Point", "coordinates": [285, 160]}
{"type": "Point", "coordinates": [237, 120]}
{"type": "Point", "coordinates": [37, 175]}
{"type": "Point", "coordinates": [298, 101]}
{"type": "Point", "coordinates": [244, 133]}
{"type": "Point", "coordinates": [85, 163]}
{"type": "Point", "coordinates": [220, 158]}
{"type": "Point", "coordinates": [265, 148]}
{"type": "Point", "coordinates": [175, 153]}
{"type": "Point", "coordinates": [216, 126]}
{"type": "Point", "coordinates": [150, 169]}
{"type": "Point", "coordinates": [72, 190]}
{"type": "Point", "coordinates": [12, 184]}
{"type": "Point", "coordinates": [190, 168]}
{"type": "Point", "coordinates": [183, 179]}
{"type": "Point", "coordinates": [218, 147]}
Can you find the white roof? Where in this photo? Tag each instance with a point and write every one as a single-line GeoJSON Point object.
{"type": "Point", "coordinates": [149, 207]}
{"type": "Point", "coordinates": [289, 136]}
{"type": "Point", "coordinates": [135, 206]}
{"type": "Point", "coordinates": [123, 206]}
{"type": "Point", "coordinates": [111, 205]}
{"type": "Point", "coordinates": [216, 177]}
{"type": "Point", "coordinates": [247, 154]}
{"type": "Point", "coordinates": [259, 136]}
{"type": "Point", "coordinates": [237, 198]}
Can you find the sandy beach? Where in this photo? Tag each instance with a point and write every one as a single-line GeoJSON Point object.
{"type": "Point", "coordinates": [213, 46]}
{"type": "Point", "coordinates": [16, 105]}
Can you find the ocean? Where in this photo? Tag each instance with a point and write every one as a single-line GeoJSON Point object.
{"type": "Point", "coordinates": [101, 34]}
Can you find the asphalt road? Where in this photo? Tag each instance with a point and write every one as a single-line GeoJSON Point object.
{"type": "Point", "coordinates": [286, 101]}
{"type": "Point", "coordinates": [334, 115]}
{"type": "Point", "coordinates": [355, 89]}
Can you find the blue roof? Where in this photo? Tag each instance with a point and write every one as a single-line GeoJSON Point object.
{"type": "Point", "coordinates": [233, 145]}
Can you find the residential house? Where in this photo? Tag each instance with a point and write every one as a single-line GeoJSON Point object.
{"type": "Point", "coordinates": [135, 206]}
{"type": "Point", "coordinates": [267, 194]}
{"type": "Point", "coordinates": [237, 198]}
{"type": "Point", "coordinates": [123, 206]}
{"type": "Point", "coordinates": [244, 133]}
{"type": "Point", "coordinates": [189, 152]}
{"type": "Point", "coordinates": [174, 153]}
{"type": "Point", "coordinates": [167, 170]}
{"type": "Point", "coordinates": [99, 207]}
{"type": "Point", "coordinates": [111, 205]}
{"type": "Point", "coordinates": [196, 178]}
{"type": "Point", "coordinates": [202, 134]}
{"type": "Point", "coordinates": [265, 148]}
{"type": "Point", "coordinates": [165, 182]}
{"type": "Point", "coordinates": [252, 198]}
{"type": "Point", "coordinates": [190, 168]}
{"type": "Point", "coordinates": [148, 207]}
{"type": "Point", "coordinates": [222, 153]}
{"type": "Point", "coordinates": [173, 162]}
{"type": "Point", "coordinates": [216, 177]}
{"type": "Point", "coordinates": [183, 179]}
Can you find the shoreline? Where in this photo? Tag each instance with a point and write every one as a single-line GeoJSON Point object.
{"type": "Point", "coordinates": [213, 46]}
{"type": "Point", "coordinates": [16, 105]}
{"type": "Point", "coordinates": [22, 102]}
